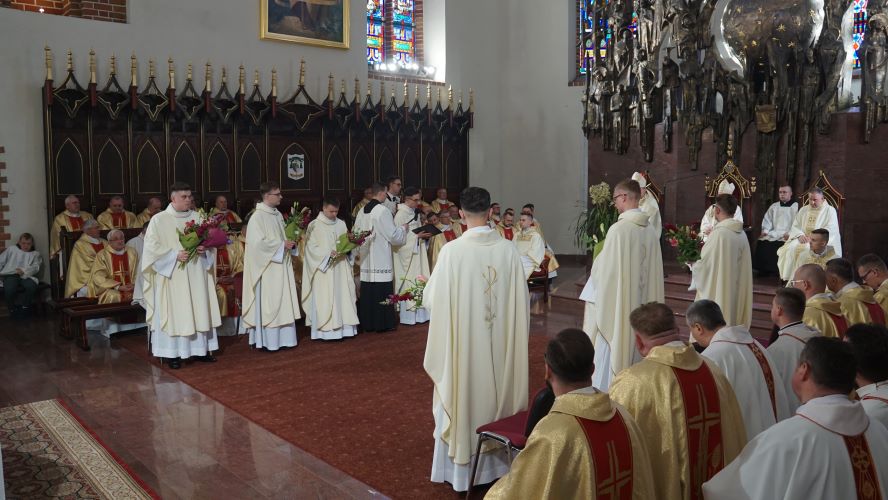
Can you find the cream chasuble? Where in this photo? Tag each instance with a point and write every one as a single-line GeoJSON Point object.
{"type": "Point", "coordinates": [531, 248]}
{"type": "Point", "coordinates": [270, 296]}
{"type": "Point", "coordinates": [708, 223]}
{"type": "Point", "coordinates": [807, 220]}
{"type": "Point", "coordinates": [859, 305]}
{"type": "Point", "coordinates": [80, 264]}
{"type": "Point", "coordinates": [688, 414]}
{"type": "Point", "coordinates": [410, 260]}
{"type": "Point", "coordinates": [180, 303]}
{"type": "Point", "coordinates": [829, 450]}
{"type": "Point", "coordinates": [648, 204]}
{"type": "Point", "coordinates": [328, 288]}
{"type": "Point", "coordinates": [759, 388]}
{"type": "Point", "coordinates": [825, 315]}
{"type": "Point", "coordinates": [476, 353]}
{"type": "Point", "coordinates": [586, 447]}
{"type": "Point", "coordinates": [626, 274]}
{"type": "Point", "coordinates": [724, 272]}
{"type": "Point", "coordinates": [785, 353]}
{"type": "Point", "coordinates": [122, 220]}
{"type": "Point", "coordinates": [874, 398]}
{"type": "Point", "coordinates": [111, 270]}
{"type": "Point", "coordinates": [68, 221]}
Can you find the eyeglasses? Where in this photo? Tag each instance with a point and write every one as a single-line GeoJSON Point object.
{"type": "Point", "coordinates": [791, 283]}
{"type": "Point", "coordinates": [614, 198]}
{"type": "Point", "coordinates": [863, 278]}
{"type": "Point", "coordinates": [275, 194]}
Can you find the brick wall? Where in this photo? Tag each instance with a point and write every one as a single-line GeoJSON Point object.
{"type": "Point", "coordinates": [4, 208]}
{"type": "Point", "coordinates": [101, 10]}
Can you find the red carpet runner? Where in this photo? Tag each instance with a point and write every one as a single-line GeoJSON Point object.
{"type": "Point", "coordinates": [363, 405]}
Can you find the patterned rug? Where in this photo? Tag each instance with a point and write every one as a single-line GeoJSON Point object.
{"type": "Point", "coordinates": [49, 453]}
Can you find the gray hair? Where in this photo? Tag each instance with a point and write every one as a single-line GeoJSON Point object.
{"type": "Point", "coordinates": [114, 232]}
{"type": "Point", "coordinates": [71, 197]}
{"type": "Point", "coordinates": [89, 224]}
{"type": "Point", "coordinates": [706, 313]}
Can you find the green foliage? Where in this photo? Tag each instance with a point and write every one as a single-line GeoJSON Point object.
{"type": "Point", "coordinates": [592, 224]}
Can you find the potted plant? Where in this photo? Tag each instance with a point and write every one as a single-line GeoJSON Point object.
{"type": "Point", "coordinates": [592, 224]}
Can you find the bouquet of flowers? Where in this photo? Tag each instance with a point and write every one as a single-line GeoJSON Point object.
{"type": "Point", "coordinates": [296, 223]}
{"type": "Point", "coordinates": [351, 240]}
{"type": "Point", "coordinates": [412, 293]}
{"type": "Point", "coordinates": [592, 224]}
{"type": "Point", "coordinates": [686, 240]}
{"type": "Point", "coordinates": [208, 231]}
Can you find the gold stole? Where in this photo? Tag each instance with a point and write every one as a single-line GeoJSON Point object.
{"type": "Point", "coordinates": [811, 220]}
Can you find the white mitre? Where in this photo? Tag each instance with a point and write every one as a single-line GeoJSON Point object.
{"type": "Point", "coordinates": [639, 178]}
{"type": "Point", "coordinates": [726, 187]}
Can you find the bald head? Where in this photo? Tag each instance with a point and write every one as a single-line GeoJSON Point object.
{"type": "Point", "coordinates": [810, 279]}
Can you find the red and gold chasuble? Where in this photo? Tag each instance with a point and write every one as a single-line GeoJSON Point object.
{"type": "Point", "coordinates": [703, 421]}
{"type": "Point", "coordinates": [508, 233]}
{"type": "Point", "coordinates": [97, 247]}
{"type": "Point", "coordinates": [866, 482]}
{"type": "Point", "coordinates": [876, 313]}
{"type": "Point", "coordinates": [840, 322]}
{"type": "Point", "coordinates": [223, 270]}
{"type": "Point", "coordinates": [611, 450]}
{"type": "Point", "coordinates": [449, 235]}
{"type": "Point", "coordinates": [119, 220]}
{"type": "Point", "coordinates": [75, 222]}
{"type": "Point", "coordinates": [121, 274]}
{"type": "Point", "coordinates": [229, 217]}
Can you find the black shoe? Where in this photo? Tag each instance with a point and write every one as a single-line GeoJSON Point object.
{"type": "Point", "coordinates": [175, 363]}
{"type": "Point", "coordinates": [209, 358]}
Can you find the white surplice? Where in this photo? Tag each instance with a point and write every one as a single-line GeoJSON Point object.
{"type": "Point", "coordinates": [874, 398]}
{"type": "Point", "coordinates": [626, 274]}
{"type": "Point", "coordinates": [778, 221]}
{"type": "Point", "coordinates": [806, 456]}
{"type": "Point", "coordinates": [807, 220]}
{"type": "Point", "coordinates": [708, 222]}
{"type": "Point", "coordinates": [410, 260]}
{"type": "Point", "coordinates": [724, 272]}
{"type": "Point", "coordinates": [785, 353]}
{"type": "Point", "coordinates": [376, 253]}
{"type": "Point", "coordinates": [733, 350]}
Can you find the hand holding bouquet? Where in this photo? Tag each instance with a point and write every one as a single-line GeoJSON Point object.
{"type": "Point", "coordinates": [207, 232]}
{"type": "Point", "coordinates": [412, 293]}
{"type": "Point", "coordinates": [294, 226]}
{"type": "Point", "coordinates": [349, 241]}
{"type": "Point", "coordinates": [686, 240]}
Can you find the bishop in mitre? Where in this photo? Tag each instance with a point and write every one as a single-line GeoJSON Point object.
{"type": "Point", "coordinates": [82, 257]}
{"type": "Point", "coordinates": [724, 272]}
{"type": "Point", "coordinates": [829, 449]}
{"type": "Point", "coordinates": [71, 219]}
{"type": "Point", "coordinates": [179, 293]}
{"type": "Point", "coordinates": [155, 204]}
{"type": "Point", "coordinates": [116, 217]}
{"type": "Point", "coordinates": [626, 274]}
{"type": "Point", "coordinates": [648, 204]}
{"type": "Point", "coordinates": [229, 280]}
{"type": "Point", "coordinates": [270, 296]}
{"type": "Point", "coordinates": [530, 245]}
{"type": "Point", "coordinates": [815, 215]}
{"type": "Point", "coordinates": [707, 224]}
{"type": "Point", "coordinates": [480, 320]}
{"type": "Point", "coordinates": [411, 259]}
{"type": "Point", "coordinates": [328, 286]}
{"type": "Point", "coordinates": [561, 458]}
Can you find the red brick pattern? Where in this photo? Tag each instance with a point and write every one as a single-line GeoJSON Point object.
{"type": "Point", "coordinates": [4, 208]}
{"type": "Point", "coordinates": [101, 10]}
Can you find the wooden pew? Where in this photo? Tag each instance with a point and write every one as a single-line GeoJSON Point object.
{"type": "Point", "coordinates": [82, 313]}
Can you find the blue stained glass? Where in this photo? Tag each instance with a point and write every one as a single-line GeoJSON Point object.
{"type": "Point", "coordinates": [403, 12]}
{"type": "Point", "coordinates": [858, 31]}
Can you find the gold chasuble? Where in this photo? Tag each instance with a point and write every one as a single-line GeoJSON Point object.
{"type": "Point", "coordinates": [229, 263]}
{"type": "Point", "coordinates": [881, 296]}
{"type": "Point", "coordinates": [122, 220]}
{"type": "Point", "coordinates": [859, 305]}
{"type": "Point", "coordinates": [586, 447]}
{"type": "Point", "coordinates": [80, 265]}
{"type": "Point", "coordinates": [506, 232]}
{"type": "Point", "coordinates": [438, 241]}
{"type": "Point", "coordinates": [439, 205]}
{"type": "Point", "coordinates": [688, 414]}
{"type": "Point", "coordinates": [111, 270]}
{"type": "Point", "coordinates": [143, 218]}
{"type": "Point", "coordinates": [65, 220]}
{"type": "Point", "coordinates": [825, 314]}
{"type": "Point", "coordinates": [230, 216]}
{"type": "Point", "coordinates": [724, 272]}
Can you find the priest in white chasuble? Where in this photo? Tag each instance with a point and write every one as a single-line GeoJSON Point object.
{"type": "Point", "coordinates": [220, 206]}
{"type": "Point", "coordinates": [179, 293]}
{"type": "Point", "coordinates": [229, 280]}
{"type": "Point", "coordinates": [707, 224]}
{"type": "Point", "coordinates": [822, 311]}
{"type": "Point", "coordinates": [587, 446]}
{"type": "Point", "coordinates": [155, 205]}
{"type": "Point", "coordinates": [870, 346]}
{"type": "Point", "coordinates": [476, 352]}
{"type": "Point", "coordinates": [682, 402]}
{"type": "Point", "coordinates": [82, 257]}
{"type": "Point", "coordinates": [412, 258]}
{"type": "Point", "coordinates": [113, 274]}
{"type": "Point", "coordinates": [750, 370]}
{"type": "Point", "coordinates": [829, 449]}
{"type": "Point", "coordinates": [441, 202]}
{"type": "Point", "coordinates": [377, 273]}
{"type": "Point", "coordinates": [858, 303]}
{"type": "Point", "coordinates": [787, 310]}
{"type": "Point", "coordinates": [626, 274]}
{"type": "Point", "coordinates": [116, 217]}
{"type": "Point", "coordinates": [530, 245]}
{"type": "Point", "coordinates": [270, 296]}
{"type": "Point", "coordinates": [874, 273]}
{"type": "Point", "coordinates": [724, 272]}
{"type": "Point", "coordinates": [775, 231]}
{"type": "Point", "coordinates": [506, 227]}
{"type": "Point", "coordinates": [328, 285]}
{"type": "Point", "coordinates": [817, 214]}
{"type": "Point", "coordinates": [648, 204]}
{"type": "Point", "coordinates": [449, 232]}
{"type": "Point", "coordinates": [71, 219]}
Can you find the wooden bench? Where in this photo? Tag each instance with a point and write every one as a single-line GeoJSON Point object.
{"type": "Point", "coordinates": [82, 313]}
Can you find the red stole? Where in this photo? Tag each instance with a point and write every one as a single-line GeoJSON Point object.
{"type": "Point", "coordinates": [508, 233]}
{"type": "Point", "coordinates": [444, 206]}
{"type": "Point", "coordinates": [703, 421]}
{"type": "Point", "coordinates": [840, 322]}
{"type": "Point", "coordinates": [769, 375]}
{"type": "Point", "coordinates": [449, 235]}
{"type": "Point", "coordinates": [118, 220]}
{"type": "Point", "coordinates": [120, 266]}
{"type": "Point", "coordinates": [223, 270]}
{"type": "Point", "coordinates": [876, 313]}
{"type": "Point", "coordinates": [75, 222]}
{"type": "Point", "coordinates": [97, 247]}
{"type": "Point", "coordinates": [611, 450]}
{"type": "Point", "coordinates": [866, 482]}
{"type": "Point", "coordinates": [464, 227]}
{"type": "Point", "coordinates": [229, 217]}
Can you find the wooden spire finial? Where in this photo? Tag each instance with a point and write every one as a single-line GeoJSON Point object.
{"type": "Point", "coordinates": [92, 66]}
{"type": "Point", "coordinates": [47, 59]}
{"type": "Point", "coordinates": [171, 69]}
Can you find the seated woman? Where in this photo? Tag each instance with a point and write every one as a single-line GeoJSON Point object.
{"type": "Point", "coordinates": [18, 267]}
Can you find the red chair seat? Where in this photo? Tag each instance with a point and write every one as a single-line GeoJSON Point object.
{"type": "Point", "coordinates": [511, 428]}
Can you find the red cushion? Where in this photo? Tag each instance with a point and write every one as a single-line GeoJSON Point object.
{"type": "Point", "coordinates": [512, 428]}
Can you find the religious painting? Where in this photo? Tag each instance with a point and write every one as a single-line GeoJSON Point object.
{"type": "Point", "coordinates": [313, 22]}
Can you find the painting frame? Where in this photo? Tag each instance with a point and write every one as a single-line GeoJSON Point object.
{"type": "Point", "coordinates": [270, 30]}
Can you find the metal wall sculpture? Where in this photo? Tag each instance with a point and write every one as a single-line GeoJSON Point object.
{"type": "Point", "coordinates": [725, 65]}
{"type": "Point", "coordinates": [107, 141]}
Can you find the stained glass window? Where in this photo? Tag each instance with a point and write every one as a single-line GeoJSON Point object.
{"type": "Point", "coordinates": [391, 33]}
{"type": "Point", "coordinates": [403, 26]}
{"type": "Point", "coordinates": [859, 29]}
{"type": "Point", "coordinates": [587, 30]}
{"type": "Point", "coordinates": [375, 37]}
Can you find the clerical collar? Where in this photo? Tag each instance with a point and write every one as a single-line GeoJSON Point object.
{"type": "Point", "coordinates": [118, 252]}
{"type": "Point", "coordinates": [821, 254]}
{"type": "Point", "coordinates": [265, 208]}
{"type": "Point", "coordinates": [91, 239]}
{"type": "Point", "coordinates": [176, 213]}
{"type": "Point", "coordinates": [370, 205]}
{"type": "Point", "coordinates": [632, 210]}
{"type": "Point", "coordinates": [72, 214]}
{"type": "Point", "coordinates": [790, 325]}
{"type": "Point", "coordinates": [392, 197]}
{"type": "Point", "coordinates": [787, 204]}
{"type": "Point", "coordinates": [326, 220]}
{"type": "Point", "coordinates": [439, 200]}
{"type": "Point", "coordinates": [585, 390]}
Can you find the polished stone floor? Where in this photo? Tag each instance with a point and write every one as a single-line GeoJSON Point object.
{"type": "Point", "coordinates": [179, 441]}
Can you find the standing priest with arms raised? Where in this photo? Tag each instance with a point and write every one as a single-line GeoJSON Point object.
{"type": "Point", "coordinates": [476, 354]}
{"type": "Point", "coordinates": [179, 293]}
